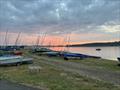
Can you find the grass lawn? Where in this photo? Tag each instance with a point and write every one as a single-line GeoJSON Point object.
{"type": "Point", "coordinates": [96, 63]}
{"type": "Point", "coordinates": [100, 63]}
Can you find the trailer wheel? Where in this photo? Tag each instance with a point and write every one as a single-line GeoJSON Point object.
{"type": "Point", "coordinates": [65, 58]}
{"type": "Point", "coordinates": [119, 64]}
{"type": "Point", "coordinates": [18, 64]}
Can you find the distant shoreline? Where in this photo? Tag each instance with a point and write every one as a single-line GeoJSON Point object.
{"type": "Point", "coordinates": [100, 44]}
{"type": "Point", "coordinates": [94, 46]}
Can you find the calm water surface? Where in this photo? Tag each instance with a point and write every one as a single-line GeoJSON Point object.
{"type": "Point", "coordinates": [110, 53]}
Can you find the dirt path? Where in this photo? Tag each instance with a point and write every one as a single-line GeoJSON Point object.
{"type": "Point", "coordinates": [84, 70]}
{"type": "Point", "coordinates": [5, 85]}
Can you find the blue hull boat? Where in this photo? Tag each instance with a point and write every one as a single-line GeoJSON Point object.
{"type": "Point", "coordinates": [77, 56]}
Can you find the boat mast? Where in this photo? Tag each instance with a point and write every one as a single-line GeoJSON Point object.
{"type": "Point", "coordinates": [68, 42]}
{"type": "Point", "coordinates": [5, 41]}
{"type": "Point", "coordinates": [37, 41]}
{"type": "Point", "coordinates": [65, 41]}
{"type": "Point", "coordinates": [62, 45]}
{"type": "Point", "coordinates": [49, 44]}
{"type": "Point", "coordinates": [16, 41]}
{"type": "Point", "coordinates": [43, 38]}
{"type": "Point", "coordinates": [0, 40]}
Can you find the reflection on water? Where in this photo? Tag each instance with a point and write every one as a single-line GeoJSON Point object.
{"type": "Point", "coordinates": [110, 53]}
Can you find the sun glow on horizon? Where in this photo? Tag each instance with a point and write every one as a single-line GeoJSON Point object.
{"type": "Point", "coordinates": [31, 39]}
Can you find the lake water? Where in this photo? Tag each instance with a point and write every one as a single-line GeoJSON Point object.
{"type": "Point", "coordinates": [110, 53]}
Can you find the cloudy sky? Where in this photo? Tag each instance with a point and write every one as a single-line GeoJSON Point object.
{"type": "Point", "coordinates": [85, 20]}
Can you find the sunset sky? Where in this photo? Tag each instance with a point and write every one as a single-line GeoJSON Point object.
{"type": "Point", "coordinates": [84, 21]}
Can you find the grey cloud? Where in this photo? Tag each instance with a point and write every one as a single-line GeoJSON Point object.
{"type": "Point", "coordinates": [59, 15]}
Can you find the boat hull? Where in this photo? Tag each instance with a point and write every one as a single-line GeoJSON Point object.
{"type": "Point", "coordinates": [14, 60]}
{"type": "Point", "coordinates": [77, 56]}
{"type": "Point", "coordinates": [118, 59]}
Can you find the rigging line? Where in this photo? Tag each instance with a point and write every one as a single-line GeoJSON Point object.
{"type": "Point", "coordinates": [5, 41]}
{"type": "Point", "coordinates": [16, 41]}
{"type": "Point", "coordinates": [43, 39]}
{"type": "Point", "coordinates": [37, 41]}
{"type": "Point", "coordinates": [69, 38]}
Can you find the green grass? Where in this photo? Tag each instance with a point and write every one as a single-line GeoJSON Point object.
{"type": "Point", "coordinates": [96, 63]}
{"type": "Point", "coordinates": [100, 63]}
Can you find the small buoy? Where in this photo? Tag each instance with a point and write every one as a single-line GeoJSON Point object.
{"type": "Point", "coordinates": [98, 49]}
